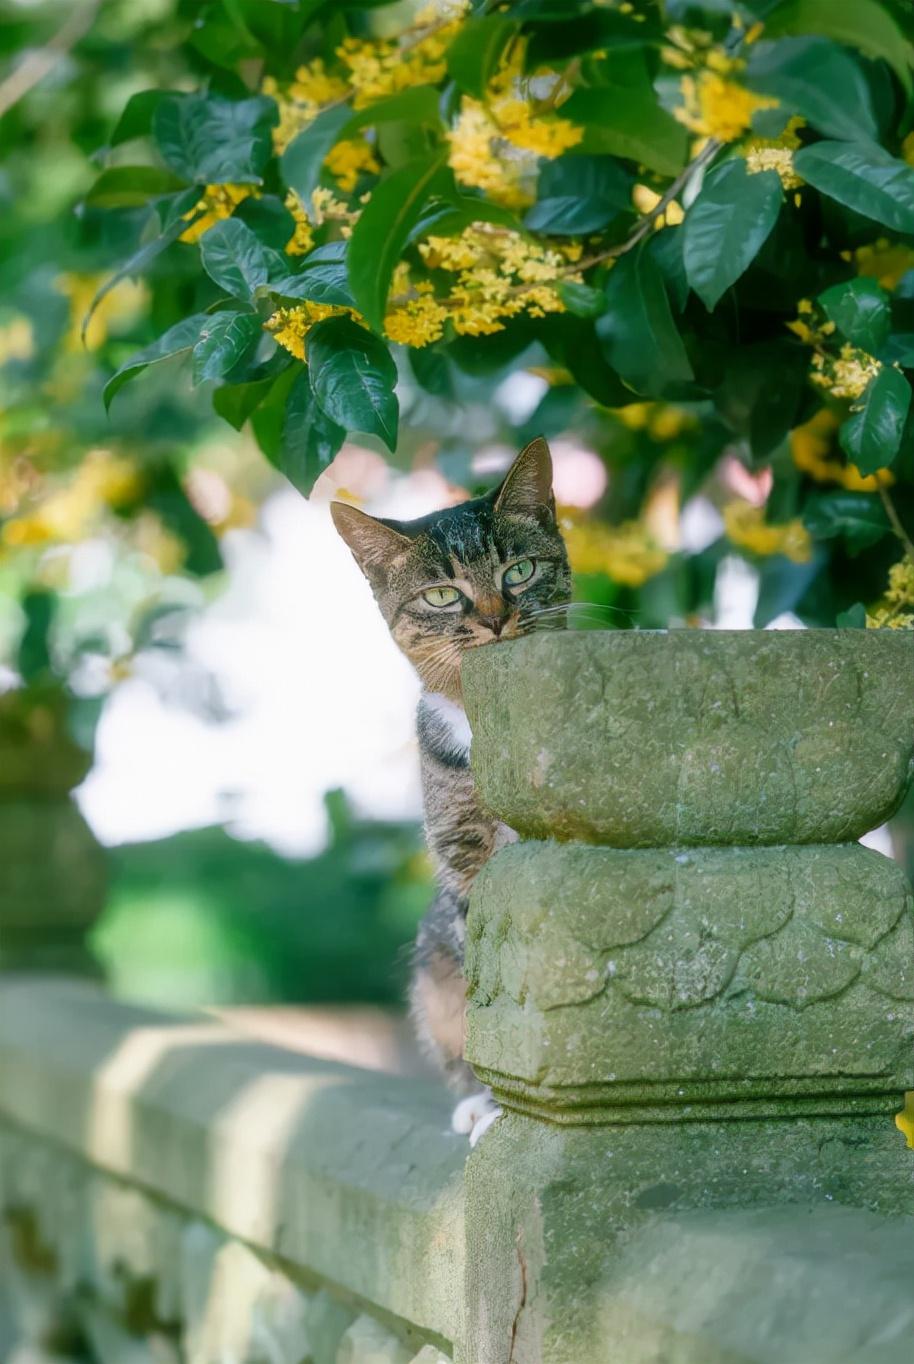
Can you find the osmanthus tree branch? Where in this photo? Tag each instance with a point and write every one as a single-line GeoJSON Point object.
{"type": "Point", "coordinates": [36, 65]}
{"type": "Point", "coordinates": [895, 521]}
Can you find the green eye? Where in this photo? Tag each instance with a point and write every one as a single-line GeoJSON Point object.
{"type": "Point", "coordinates": [520, 572]}
{"type": "Point", "coordinates": [441, 596]}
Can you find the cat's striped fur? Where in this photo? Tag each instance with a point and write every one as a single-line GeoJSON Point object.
{"type": "Point", "coordinates": [465, 549]}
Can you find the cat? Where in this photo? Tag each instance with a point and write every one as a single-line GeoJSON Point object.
{"type": "Point", "coordinates": [473, 574]}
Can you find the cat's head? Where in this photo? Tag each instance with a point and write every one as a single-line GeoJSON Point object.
{"type": "Point", "coordinates": [467, 575]}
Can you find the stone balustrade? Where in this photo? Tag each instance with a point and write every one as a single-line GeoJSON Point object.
{"type": "Point", "coordinates": [690, 988]}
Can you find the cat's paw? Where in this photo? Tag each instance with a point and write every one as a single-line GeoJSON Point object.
{"type": "Point", "coordinates": [475, 1115]}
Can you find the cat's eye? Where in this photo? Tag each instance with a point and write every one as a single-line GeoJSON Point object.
{"type": "Point", "coordinates": [441, 596]}
{"type": "Point", "coordinates": [518, 573]}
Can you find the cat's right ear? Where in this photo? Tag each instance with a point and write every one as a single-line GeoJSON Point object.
{"type": "Point", "coordinates": [373, 542]}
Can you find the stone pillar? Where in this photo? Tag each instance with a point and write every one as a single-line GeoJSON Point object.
{"type": "Point", "coordinates": [52, 869]}
{"type": "Point", "coordinates": [694, 989]}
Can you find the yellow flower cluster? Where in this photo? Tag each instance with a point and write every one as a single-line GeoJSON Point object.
{"type": "Point", "coordinates": [897, 613]}
{"type": "Point", "coordinates": [845, 375]}
{"type": "Point", "coordinates": [494, 142]}
{"type": "Point", "coordinates": [716, 107]}
{"type": "Point", "coordinates": [70, 512]}
{"type": "Point", "coordinates": [217, 202]}
{"type": "Point", "coordinates": [747, 528]}
{"type": "Point", "coordinates": [312, 88]}
{"type": "Point", "coordinates": [811, 446]}
{"type": "Point", "coordinates": [646, 200]}
{"type": "Point", "coordinates": [416, 318]}
{"type": "Point", "coordinates": [384, 66]}
{"type": "Point", "coordinates": [627, 553]}
{"type": "Point", "coordinates": [326, 208]}
{"type": "Point", "coordinates": [302, 239]}
{"type": "Point", "coordinates": [17, 340]}
{"type": "Point", "coordinates": [347, 160]}
{"type": "Point", "coordinates": [290, 326]}
{"type": "Point", "coordinates": [883, 261]}
{"type": "Point", "coordinates": [775, 153]}
{"type": "Point", "coordinates": [662, 421]}
{"type": "Point", "coordinates": [500, 273]}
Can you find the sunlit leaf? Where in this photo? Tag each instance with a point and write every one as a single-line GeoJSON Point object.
{"type": "Point", "coordinates": [236, 260]}
{"type": "Point", "coordinates": [353, 378]}
{"type": "Point", "coordinates": [213, 140]}
{"type": "Point", "coordinates": [225, 340]}
{"type": "Point", "coordinates": [860, 310]}
{"type": "Point", "coordinates": [872, 436]}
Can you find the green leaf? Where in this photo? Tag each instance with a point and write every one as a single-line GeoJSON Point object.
{"type": "Point", "coordinates": [854, 618]}
{"type": "Point", "coordinates": [225, 340]}
{"type": "Point", "coordinates": [872, 436]}
{"type": "Point", "coordinates": [324, 277]}
{"type": "Point", "coordinates": [353, 378]}
{"type": "Point", "coordinates": [578, 194]}
{"type": "Point", "coordinates": [581, 299]}
{"type": "Point", "coordinates": [129, 186]}
{"type": "Point", "coordinates": [551, 42]}
{"type": "Point", "coordinates": [860, 310]}
{"type": "Point", "coordinates": [215, 141]}
{"type": "Point", "coordinates": [309, 438]}
{"type": "Point", "coordinates": [628, 121]}
{"type": "Point", "coordinates": [137, 116]}
{"type": "Point", "coordinates": [859, 517]}
{"type": "Point", "coordinates": [899, 349]}
{"type": "Point", "coordinates": [638, 333]}
{"type": "Point", "coordinates": [181, 337]}
{"type": "Point", "coordinates": [235, 260]}
{"type": "Point", "coordinates": [268, 419]}
{"type": "Point", "coordinates": [573, 343]}
{"type": "Point", "coordinates": [815, 78]}
{"type": "Point", "coordinates": [235, 402]}
{"type": "Point", "coordinates": [382, 231]}
{"type": "Point", "coordinates": [864, 177]}
{"type": "Point", "coordinates": [473, 56]}
{"type": "Point", "coordinates": [419, 105]}
{"type": "Point", "coordinates": [864, 24]}
{"type": "Point", "coordinates": [727, 225]}
{"type": "Point", "coordinates": [301, 161]}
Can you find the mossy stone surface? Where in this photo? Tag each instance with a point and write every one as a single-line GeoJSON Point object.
{"type": "Point", "coordinates": [652, 739]}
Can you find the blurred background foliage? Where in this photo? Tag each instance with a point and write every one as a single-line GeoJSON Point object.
{"type": "Point", "coordinates": [678, 239]}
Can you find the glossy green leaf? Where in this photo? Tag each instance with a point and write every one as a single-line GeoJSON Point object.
{"type": "Point", "coordinates": [383, 229]}
{"type": "Point", "coordinates": [309, 438]}
{"type": "Point", "coordinates": [419, 105]}
{"type": "Point", "coordinates": [578, 194]}
{"type": "Point", "coordinates": [183, 336]}
{"type": "Point", "coordinates": [858, 517]}
{"type": "Point", "coordinates": [139, 261]}
{"type": "Point", "coordinates": [301, 161]}
{"type": "Point", "coordinates": [854, 618]}
{"type": "Point", "coordinates": [235, 260]}
{"type": "Point", "coordinates": [215, 141]}
{"type": "Point", "coordinates": [136, 118]}
{"type": "Point", "coordinates": [639, 336]}
{"type": "Point", "coordinates": [872, 436]}
{"type": "Point", "coordinates": [864, 177]}
{"type": "Point", "coordinates": [353, 377]}
{"type": "Point", "coordinates": [236, 402]}
{"type": "Point", "coordinates": [225, 340]}
{"type": "Point", "coordinates": [473, 56]}
{"type": "Point", "coordinates": [865, 24]}
{"type": "Point", "coordinates": [628, 121]}
{"type": "Point", "coordinates": [583, 300]}
{"type": "Point", "coordinates": [324, 277]}
{"type": "Point", "coordinates": [861, 312]}
{"type": "Point", "coordinates": [899, 349]}
{"type": "Point", "coordinates": [128, 186]}
{"type": "Point", "coordinates": [726, 226]}
{"type": "Point", "coordinates": [556, 40]}
{"type": "Point", "coordinates": [818, 80]}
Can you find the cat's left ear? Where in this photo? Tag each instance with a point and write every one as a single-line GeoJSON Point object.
{"type": "Point", "coordinates": [527, 486]}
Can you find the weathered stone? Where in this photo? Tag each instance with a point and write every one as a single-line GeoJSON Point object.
{"type": "Point", "coordinates": [646, 984]}
{"type": "Point", "coordinates": [430, 1354]}
{"type": "Point", "coordinates": [651, 739]}
{"type": "Point", "coordinates": [247, 1314]}
{"type": "Point", "coordinates": [327, 1322]}
{"type": "Point", "coordinates": [369, 1342]}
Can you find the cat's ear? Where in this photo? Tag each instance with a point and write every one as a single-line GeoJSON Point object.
{"type": "Point", "coordinates": [373, 543]}
{"type": "Point", "coordinates": [527, 485]}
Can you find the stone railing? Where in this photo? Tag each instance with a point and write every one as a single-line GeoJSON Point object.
{"type": "Point", "coordinates": [690, 988]}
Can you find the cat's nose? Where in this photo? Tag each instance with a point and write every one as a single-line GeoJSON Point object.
{"type": "Point", "coordinates": [493, 623]}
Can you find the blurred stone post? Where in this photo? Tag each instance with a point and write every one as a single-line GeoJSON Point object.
{"type": "Point", "coordinates": [52, 869]}
{"type": "Point", "coordinates": [692, 988]}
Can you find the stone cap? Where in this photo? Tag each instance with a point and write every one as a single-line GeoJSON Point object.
{"type": "Point", "coordinates": [688, 737]}
{"type": "Point", "coordinates": [612, 985]}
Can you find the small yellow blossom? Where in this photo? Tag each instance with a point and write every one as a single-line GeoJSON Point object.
{"type": "Point", "coordinates": [475, 161]}
{"type": "Point", "coordinates": [884, 618]}
{"type": "Point", "coordinates": [302, 239]}
{"type": "Point", "coordinates": [715, 107]}
{"type": "Point", "coordinates": [900, 591]}
{"type": "Point", "coordinates": [301, 101]}
{"type": "Point", "coordinates": [811, 446]}
{"type": "Point", "coordinates": [17, 340]}
{"type": "Point", "coordinates": [290, 326]}
{"type": "Point", "coordinates": [348, 160]}
{"type": "Point", "coordinates": [747, 528]}
{"type": "Point", "coordinates": [216, 203]}
{"type": "Point", "coordinates": [416, 322]}
{"type": "Point", "coordinates": [884, 261]}
{"type": "Point", "coordinates": [378, 67]}
{"type": "Point", "coordinates": [646, 200]}
{"type": "Point", "coordinates": [327, 208]}
{"type": "Point", "coordinates": [627, 553]}
{"type": "Point", "coordinates": [846, 375]}
{"type": "Point", "coordinates": [776, 153]}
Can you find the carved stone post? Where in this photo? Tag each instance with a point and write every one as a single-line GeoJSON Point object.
{"type": "Point", "coordinates": [695, 989]}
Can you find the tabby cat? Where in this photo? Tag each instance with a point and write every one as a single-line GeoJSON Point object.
{"type": "Point", "coordinates": [469, 575]}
